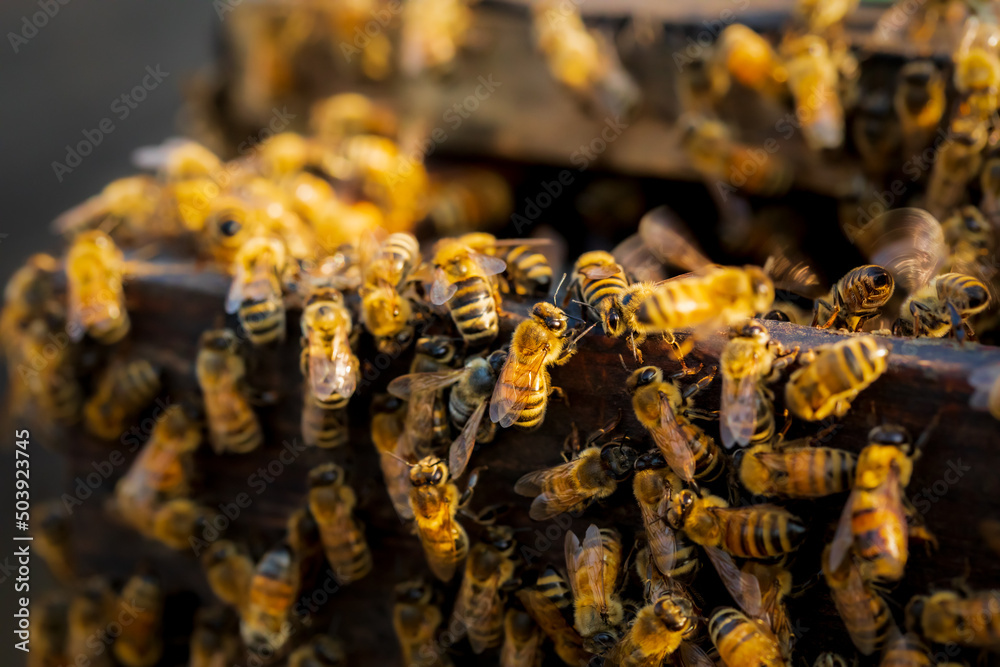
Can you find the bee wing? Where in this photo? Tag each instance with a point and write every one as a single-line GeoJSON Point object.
{"type": "Point", "coordinates": [572, 551]}
{"type": "Point", "coordinates": [662, 542]}
{"type": "Point", "coordinates": [743, 586]}
{"type": "Point", "coordinates": [853, 602]}
{"type": "Point", "coordinates": [908, 242]}
{"type": "Point", "coordinates": [599, 272]}
{"type": "Point", "coordinates": [633, 255]}
{"type": "Point", "coordinates": [420, 415]}
{"type": "Point", "coordinates": [236, 296]}
{"type": "Point", "coordinates": [507, 403]}
{"type": "Point", "coordinates": [80, 216]}
{"type": "Point", "coordinates": [738, 411]}
{"type": "Point", "coordinates": [406, 386]}
{"type": "Point", "coordinates": [982, 381]}
{"type": "Point", "coordinates": [792, 272]}
{"type": "Point", "coordinates": [336, 374]}
{"type": "Point", "coordinates": [441, 289]}
{"type": "Point", "coordinates": [490, 265]}
{"type": "Point", "coordinates": [548, 502]}
{"type": "Point", "coordinates": [774, 612]}
{"type": "Point", "coordinates": [691, 655]}
{"type": "Point", "coordinates": [673, 443]}
{"type": "Point", "coordinates": [593, 563]}
{"type": "Point", "coordinates": [843, 539]}
{"type": "Point", "coordinates": [461, 449]}
{"type": "Point", "coordinates": [669, 239]}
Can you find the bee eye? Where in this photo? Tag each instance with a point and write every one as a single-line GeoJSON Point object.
{"type": "Point", "coordinates": [647, 376]}
{"type": "Point", "coordinates": [436, 477]}
{"type": "Point", "coordinates": [230, 227]}
{"type": "Point", "coordinates": [881, 280]}
{"type": "Point", "coordinates": [613, 319]}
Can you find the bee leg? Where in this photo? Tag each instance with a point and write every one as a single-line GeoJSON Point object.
{"type": "Point", "coordinates": [695, 388]}
{"type": "Point", "coordinates": [834, 312]}
{"type": "Point", "coordinates": [956, 322]}
{"type": "Point", "coordinates": [921, 533]}
{"type": "Point", "coordinates": [784, 430]}
{"type": "Point", "coordinates": [560, 393]}
{"type": "Point", "coordinates": [488, 515]}
{"type": "Point", "coordinates": [470, 486]}
{"type": "Point", "coordinates": [969, 333]}
{"type": "Point", "coordinates": [572, 444]}
{"type": "Point", "coordinates": [604, 430]}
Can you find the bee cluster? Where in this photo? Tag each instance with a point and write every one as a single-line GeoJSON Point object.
{"type": "Point", "coordinates": [329, 235]}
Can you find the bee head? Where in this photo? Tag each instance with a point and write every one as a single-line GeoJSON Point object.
{"type": "Point", "coordinates": [496, 360]}
{"type": "Point", "coordinates": [890, 434]}
{"type": "Point", "coordinates": [602, 642]}
{"type": "Point", "coordinates": [681, 507]}
{"type": "Point", "coordinates": [644, 376]}
{"type": "Point", "coordinates": [429, 471]}
{"type": "Point", "coordinates": [618, 460]}
{"type": "Point", "coordinates": [218, 340]}
{"type": "Point", "coordinates": [438, 348]}
{"type": "Point", "coordinates": [762, 289]}
{"type": "Point", "coordinates": [676, 613]}
{"type": "Point", "coordinates": [413, 592]}
{"type": "Point", "coordinates": [651, 460]}
{"type": "Point", "coordinates": [386, 403]}
{"type": "Point", "coordinates": [755, 330]}
{"type": "Point", "coordinates": [777, 316]}
{"type": "Point", "coordinates": [551, 316]}
{"type": "Point", "coordinates": [501, 537]}
{"type": "Point", "coordinates": [325, 475]}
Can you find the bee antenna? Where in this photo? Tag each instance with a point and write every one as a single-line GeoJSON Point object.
{"type": "Point", "coordinates": [578, 319]}
{"type": "Point", "coordinates": [582, 334]}
{"type": "Point", "coordinates": [558, 287]}
{"type": "Point", "coordinates": [623, 361]}
{"type": "Point", "coordinates": [399, 458]}
{"type": "Point", "coordinates": [585, 305]}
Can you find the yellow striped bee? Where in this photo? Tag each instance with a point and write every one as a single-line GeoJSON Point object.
{"type": "Point", "coordinates": [833, 376]}
{"type": "Point", "coordinates": [95, 295]}
{"type": "Point", "coordinates": [423, 388]}
{"type": "Point", "coordinates": [744, 641]}
{"type": "Point", "coordinates": [796, 470]}
{"type": "Point", "coordinates": [527, 273]}
{"type": "Point", "coordinates": [232, 423]}
{"type": "Point", "coordinates": [593, 569]}
{"type": "Point", "coordinates": [653, 486]}
{"type": "Point", "coordinates": [464, 279]}
{"type": "Point", "coordinates": [855, 299]}
{"type": "Point", "coordinates": [256, 290]}
{"type": "Point", "coordinates": [548, 615]}
{"type": "Point", "coordinates": [435, 501]}
{"type": "Point", "coordinates": [385, 312]}
{"type": "Point", "coordinates": [123, 390]}
{"type": "Point", "coordinates": [865, 613]}
{"type": "Point", "coordinates": [141, 642]}
{"type": "Point", "coordinates": [943, 306]}
{"type": "Point", "coordinates": [968, 619]}
{"type": "Point", "coordinates": [332, 502]}
{"type": "Point", "coordinates": [479, 605]}
{"type": "Point", "coordinates": [416, 618]}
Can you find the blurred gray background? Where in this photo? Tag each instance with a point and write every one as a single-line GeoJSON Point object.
{"type": "Point", "coordinates": [61, 82]}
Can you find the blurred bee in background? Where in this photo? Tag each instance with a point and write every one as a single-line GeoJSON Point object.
{"type": "Point", "coordinates": [96, 298]}
{"type": "Point", "coordinates": [749, 360]}
{"type": "Point", "coordinates": [41, 364]}
{"type": "Point", "coordinates": [266, 620]}
{"type": "Point", "coordinates": [919, 103]}
{"type": "Point", "coordinates": [877, 132]}
{"type": "Point", "coordinates": [140, 643]}
{"type": "Point", "coordinates": [28, 295]}
{"type": "Point", "coordinates": [229, 222]}
{"type": "Point", "coordinates": [823, 15]}
{"type": "Point", "coordinates": [176, 522]}
{"type": "Point", "coordinates": [666, 411]}
{"type": "Point", "coordinates": [395, 451]}
{"type": "Point", "coordinates": [469, 201]}
{"type": "Point", "coordinates": [593, 474]}
{"type": "Point", "coordinates": [720, 158]}
{"type": "Point", "coordinates": [332, 370]}
{"type": "Point", "coordinates": [971, 241]}
{"type": "Point", "coordinates": [653, 486]}
{"type": "Point", "coordinates": [548, 615]}
{"type": "Point", "coordinates": [416, 619]}
{"type": "Point", "coordinates": [229, 569]}
{"type": "Point", "coordinates": [958, 161]}
{"type": "Point", "coordinates": [349, 114]}
{"type": "Point", "coordinates": [527, 272]}
{"type": "Point", "coordinates": [464, 279]}
{"type": "Point", "coordinates": [702, 85]}
{"type": "Point", "coordinates": [592, 570]}
{"type": "Point", "coordinates": [862, 609]}
{"type": "Point", "coordinates": [522, 640]}
{"type": "Point", "coordinates": [221, 372]}
{"type": "Point", "coordinates": [127, 209]}
{"type": "Point", "coordinates": [123, 390]}
{"type": "Point", "coordinates": [90, 610]}
{"type": "Point", "coordinates": [302, 535]}
{"type": "Point", "coordinates": [53, 540]}
{"type": "Point", "coordinates": [796, 469]}
{"type": "Point", "coordinates": [214, 642]}
{"type": "Point", "coordinates": [386, 313]}
{"type": "Point", "coordinates": [854, 299]}
{"type": "Point", "coordinates": [49, 614]}
{"type": "Point", "coordinates": [435, 502]}
{"type": "Point", "coordinates": [320, 651]}
{"type": "Point", "coordinates": [163, 469]}
{"type": "Point", "coordinates": [943, 306]}
{"type": "Point", "coordinates": [744, 641]}
{"type": "Point", "coordinates": [985, 382]}
{"type": "Point", "coordinates": [585, 61]}
{"type": "Point", "coordinates": [906, 651]}
{"type": "Point", "coordinates": [813, 80]}
{"type": "Point", "coordinates": [256, 291]}
{"type": "Point", "coordinates": [977, 72]}
{"type": "Point", "coordinates": [966, 619]}
{"type": "Point", "coordinates": [830, 659]}
{"type": "Point", "coordinates": [833, 375]}
{"type": "Point", "coordinates": [874, 521]}
{"type": "Point", "coordinates": [522, 390]}
{"type": "Point", "coordinates": [433, 32]}
{"type": "Point", "coordinates": [431, 372]}
{"type": "Point", "coordinates": [332, 503]}
{"type": "Point", "coordinates": [989, 183]}
{"type": "Point", "coordinates": [750, 60]}
{"type": "Point", "coordinates": [489, 570]}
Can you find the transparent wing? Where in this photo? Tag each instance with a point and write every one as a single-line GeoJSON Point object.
{"type": "Point", "coordinates": [593, 563]}
{"type": "Point", "coordinates": [908, 242]}
{"type": "Point", "coordinates": [669, 239]}
{"type": "Point", "coordinates": [672, 442]}
{"type": "Point", "coordinates": [572, 549]}
{"type": "Point", "coordinates": [600, 272]}
{"type": "Point", "coordinates": [693, 656]}
{"type": "Point", "coordinates": [461, 449]}
{"type": "Point", "coordinates": [792, 272]}
{"type": "Point", "coordinates": [738, 411]}
{"type": "Point", "coordinates": [405, 386]}
{"type": "Point", "coordinates": [441, 289]}
{"type": "Point", "coordinates": [334, 375]}
{"type": "Point", "coordinates": [633, 255]}
{"type": "Point", "coordinates": [661, 538]}
{"type": "Point", "coordinates": [507, 402]}
{"type": "Point", "coordinates": [236, 295]}
{"type": "Point", "coordinates": [743, 586]}
{"type": "Point", "coordinates": [843, 539]}
{"type": "Point", "coordinates": [853, 602]}
{"type": "Point", "coordinates": [490, 265]}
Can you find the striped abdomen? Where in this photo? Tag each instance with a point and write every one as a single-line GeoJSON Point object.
{"type": "Point", "coordinates": [837, 374]}
{"type": "Point", "coordinates": [263, 319]}
{"type": "Point", "coordinates": [686, 561]}
{"type": "Point", "coordinates": [906, 651]}
{"type": "Point", "coordinates": [742, 641]}
{"type": "Point", "coordinates": [554, 587]}
{"type": "Point", "coordinates": [474, 311]}
{"type": "Point", "coordinates": [677, 304]}
{"type": "Point", "coordinates": [759, 533]}
{"type": "Point", "coordinates": [528, 271]}
{"type": "Point", "coordinates": [763, 427]}
{"type": "Point", "coordinates": [880, 535]}
{"type": "Point", "coordinates": [709, 462]}
{"type": "Point", "coordinates": [346, 550]}
{"type": "Point", "coordinates": [323, 426]}
{"type": "Point", "coordinates": [534, 391]}
{"type": "Point", "coordinates": [396, 257]}
{"type": "Point", "coordinates": [599, 293]}
{"type": "Point", "coordinates": [811, 472]}
{"type": "Point", "coordinates": [232, 424]}
{"type": "Point", "coordinates": [866, 616]}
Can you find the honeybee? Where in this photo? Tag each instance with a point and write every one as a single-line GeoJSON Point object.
{"type": "Point", "coordinates": [48, 649]}
{"type": "Point", "coordinates": [833, 376]}
{"type": "Point", "coordinates": [229, 222]}
{"type": "Point", "coordinates": [385, 313]}
{"type": "Point", "coordinates": [751, 60]}
{"type": "Point", "coordinates": [666, 412]}
{"type": "Point", "coordinates": [919, 104]}
{"type": "Point", "coordinates": [473, 199]}
{"type": "Point", "coordinates": [213, 639]}
{"type": "Point", "coordinates": [985, 383]}
{"type": "Point", "coordinates": [347, 114]}
{"type": "Point", "coordinates": [862, 609]}
{"type": "Point", "coordinates": [266, 618]}
{"type": "Point", "coordinates": [53, 540]}
{"type": "Point", "coordinates": [554, 588]}
{"type": "Point", "coordinates": [256, 289]}
{"type": "Point", "coordinates": [958, 161]}
{"type": "Point", "coordinates": [796, 470]}
{"type": "Point", "coordinates": [592, 570]}
{"type": "Point", "coordinates": [416, 619]}
{"type": "Point", "coordinates": [653, 485]}
{"type": "Point", "coordinates": [96, 298]}
{"type": "Point", "coordinates": [943, 306]}
{"type": "Point", "coordinates": [435, 501]}
{"type": "Point", "coordinates": [568, 642]}
{"type": "Point", "coordinates": [232, 423]}
{"type": "Point", "coordinates": [874, 520]}
{"type": "Point", "coordinates": [123, 390]}
{"type": "Point", "coordinates": [53, 388]}
{"type": "Point", "coordinates": [971, 240]}
{"type": "Point", "coordinates": [28, 295]}
{"type": "Point", "coordinates": [321, 651]}
{"type": "Point", "coordinates": [744, 641]}
{"type": "Point", "coordinates": [523, 387]}
{"type": "Point", "coordinates": [749, 359]}
{"type": "Point", "coordinates": [176, 522]}
{"type": "Point", "coordinates": [522, 641]}
{"type": "Point", "coordinates": [855, 299]}
{"type": "Point", "coordinates": [574, 485]}
{"type": "Point", "coordinates": [162, 470]}
{"type": "Point", "coordinates": [528, 272]}
{"type": "Point", "coordinates": [814, 81]}
{"type": "Point", "coordinates": [599, 280]}
{"type": "Point", "coordinates": [229, 570]}
{"type": "Point", "coordinates": [332, 502]}
{"type": "Point", "coordinates": [463, 279]}
{"type": "Point", "coordinates": [395, 451]}
{"type": "Point", "coordinates": [820, 15]}
{"type": "Point", "coordinates": [140, 643]}
{"type": "Point", "coordinates": [479, 605]}
{"type": "Point", "coordinates": [126, 207]}
{"type": "Point", "coordinates": [423, 387]}
{"type": "Point", "coordinates": [717, 156]}
{"type": "Point", "coordinates": [944, 617]}
{"type": "Point", "coordinates": [906, 651]}
{"type": "Point", "coordinates": [90, 610]}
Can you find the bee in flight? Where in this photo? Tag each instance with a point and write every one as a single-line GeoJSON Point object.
{"type": "Point", "coordinates": [833, 376]}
